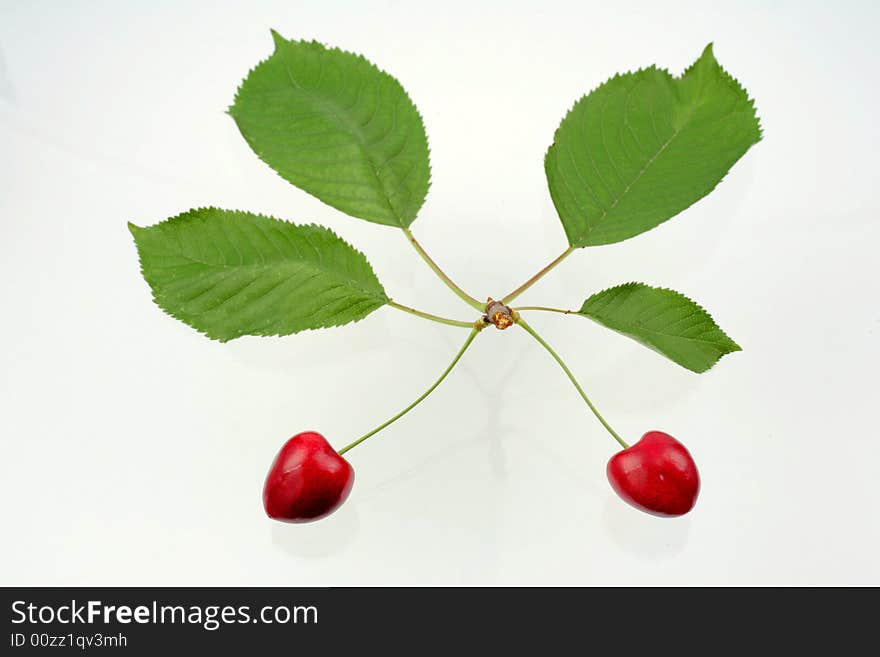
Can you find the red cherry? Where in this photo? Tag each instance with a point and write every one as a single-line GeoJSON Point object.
{"type": "Point", "coordinates": [656, 475]}
{"type": "Point", "coordinates": [307, 481]}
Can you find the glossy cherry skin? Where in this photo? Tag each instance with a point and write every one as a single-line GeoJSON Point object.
{"type": "Point", "coordinates": [657, 475]}
{"type": "Point", "coordinates": [307, 481]}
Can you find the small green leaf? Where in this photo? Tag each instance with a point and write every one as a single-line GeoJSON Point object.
{"type": "Point", "coordinates": [337, 127]}
{"type": "Point", "coordinates": [644, 146]}
{"type": "Point", "coordinates": [663, 320]}
{"type": "Point", "coordinates": [229, 273]}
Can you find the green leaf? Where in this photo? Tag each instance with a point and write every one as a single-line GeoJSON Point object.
{"type": "Point", "coordinates": [229, 274]}
{"type": "Point", "coordinates": [337, 127]}
{"type": "Point", "coordinates": [644, 146]}
{"type": "Point", "coordinates": [663, 320]}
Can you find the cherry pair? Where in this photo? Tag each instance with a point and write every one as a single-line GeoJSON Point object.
{"type": "Point", "coordinates": [309, 479]}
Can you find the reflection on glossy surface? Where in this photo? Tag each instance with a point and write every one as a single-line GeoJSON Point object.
{"type": "Point", "coordinates": [656, 475]}
{"type": "Point", "coordinates": [307, 481]}
{"type": "Point", "coordinates": [508, 489]}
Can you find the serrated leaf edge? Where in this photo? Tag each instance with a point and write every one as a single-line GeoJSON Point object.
{"type": "Point", "coordinates": [731, 347]}
{"type": "Point", "coordinates": [157, 298]}
{"type": "Point", "coordinates": [730, 79]}
{"type": "Point", "coordinates": [279, 40]}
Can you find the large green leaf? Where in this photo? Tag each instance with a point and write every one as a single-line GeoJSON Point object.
{"type": "Point", "coordinates": [336, 126]}
{"type": "Point", "coordinates": [229, 274]}
{"type": "Point", "coordinates": [664, 320]}
{"type": "Point", "coordinates": [644, 146]}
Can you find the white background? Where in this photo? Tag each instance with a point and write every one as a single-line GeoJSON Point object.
{"type": "Point", "coordinates": [134, 449]}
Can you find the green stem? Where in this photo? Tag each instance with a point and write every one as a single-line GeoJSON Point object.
{"type": "Point", "coordinates": [534, 279]}
{"type": "Point", "coordinates": [545, 308]}
{"type": "Point", "coordinates": [464, 296]}
{"type": "Point", "coordinates": [433, 318]}
{"type": "Point", "coordinates": [477, 327]}
{"type": "Point", "coordinates": [577, 385]}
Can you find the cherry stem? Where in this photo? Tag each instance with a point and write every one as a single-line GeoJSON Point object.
{"type": "Point", "coordinates": [476, 328]}
{"type": "Point", "coordinates": [577, 385]}
{"type": "Point", "coordinates": [545, 309]}
{"type": "Point", "coordinates": [464, 296]}
{"type": "Point", "coordinates": [433, 318]}
{"type": "Point", "coordinates": [534, 279]}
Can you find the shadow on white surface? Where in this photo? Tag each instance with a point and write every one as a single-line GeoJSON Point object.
{"type": "Point", "coordinates": [496, 427]}
{"type": "Point", "coordinates": [319, 539]}
{"type": "Point", "coordinates": [643, 535]}
{"type": "Point", "coordinates": [503, 485]}
{"type": "Point", "coordinates": [6, 91]}
{"type": "Point", "coordinates": [438, 459]}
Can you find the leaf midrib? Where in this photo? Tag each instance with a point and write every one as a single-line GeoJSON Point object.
{"type": "Point", "coordinates": [346, 123]}
{"type": "Point", "coordinates": [647, 165]}
{"type": "Point", "coordinates": [282, 263]}
{"type": "Point", "coordinates": [647, 330]}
